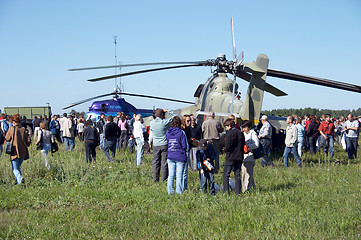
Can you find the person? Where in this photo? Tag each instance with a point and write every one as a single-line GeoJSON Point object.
{"type": "Point", "coordinates": [46, 137]}
{"type": "Point", "coordinates": [138, 130]}
{"type": "Point", "coordinates": [351, 127]}
{"type": "Point", "coordinates": [91, 140]}
{"type": "Point", "coordinates": [124, 129]}
{"type": "Point", "coordinates": [186, 127]}
{"type": "Point", "coordinates": [19, 137]}
{"type": "Point", "coordinates": [54, 128]}
{"type": "Point", "coordinates": [131, 138]}
{"type": "Point", "coordinates": [111, 134]}
{"type": "Point", "coordinates": [234, 149]}
{"type": "Point", "coordinates": [100, 127]}
{"type": "Point", "coordinates": [2, 140]}
{"type": "Point", "coordinates": [61, 123]}
{"type": "Point", "coordinates": [196, 136]}
{"type": "Point", "coordinates": [265, 135]}
{"type": "Point", "coordinates": [252, 143]}
{"type": "Point", "coordinates": [312, 133]}
{"type": "Point", "coordinates": [68, 133]}
{"type": "Point", "coordinates": [300, 136]}
{"type": "Point", "coordinates": [327, 131]}
{"type": "Point", "coordinates": [159, 126]}
{"type": "Point", "coordinates": [206, 152]}
{"type": "Point", "coordinates": [36, 125]}
{"type": "Point", "coordinates": [176, 155]}
{"type": "Point", "coordinates": [211, 129]}
{"type": "Point", "coordinates": [291, 142]}
{"type": "Point", "coordinates": [80, 129]}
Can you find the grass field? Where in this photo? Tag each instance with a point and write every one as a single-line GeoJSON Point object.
{"type": "Point", "coordinates": [119, 201]}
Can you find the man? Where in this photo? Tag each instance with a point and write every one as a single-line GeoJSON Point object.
{"type": "Point", "coordinates": [265, 135]}
{"type": "Point", "coordinates": [36, 126]}
{"type": "Point", "coordinates": [159, 126]}
{"type": "Point", "coordinates": [234, 149]}
{"type": "Point", "coordinates": [111, 134]}
{"type": "Point", "coordinates": [351, 128]}
{"type": "Point", "coordinates": [211, 129]}
{"type": "Point", "coordinates": [327, 131]}
{"type": "Point", "coordinates": [100, 127]}
{"type": "Point", "coordinates": [61, 123]}
{"type": "Point", "coordinates": [54, 128]}
{"type": "Point", "coordinates": [291, 142]}
{"type": "Point", "coordinates": [69, 133]}
{"type": "Point", "coordinates": [131, 141]}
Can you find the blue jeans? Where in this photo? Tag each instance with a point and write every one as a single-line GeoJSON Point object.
{"type": "Point", "coordinates": [110, 144]}
{"type": "Point", "coordinates": [266, 160]}
{"type": "Point", "coordinates": [101, 141]}
{"type": "Point", "coordinates": [131, 145]}
{"type": "Point", "coordinates": [44, 152]}
{"type": "Point", "coordinates": [16, 164]}
{"type": "Point", "coordinates": [208, 175]}
{"type": "Point", "coordinates": [1, 150]}
{"type": "Point", "coordinates": [174, 166]}
{"type": "Point", "coordinates": [287, 152]}
{"type": "Point", "coordinates": [69, 143]}
{"type": "Point", "coordinates": [351, 146]}
{"type": "Point", "coordinates": [185, 174]}
{"type": "Point", "coordinates": [139, 152]}
{"type": "Point", "coordinates": [328, 144]}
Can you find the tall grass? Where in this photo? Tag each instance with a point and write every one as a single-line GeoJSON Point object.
{"type": "Point", "coordinates": [119, 201]}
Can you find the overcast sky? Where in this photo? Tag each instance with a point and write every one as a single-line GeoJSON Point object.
{"type": "Point", "coordinates": [40, 40]}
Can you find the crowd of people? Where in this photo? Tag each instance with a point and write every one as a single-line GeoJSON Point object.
{"type": "Point", "coordinates": [180, 143]}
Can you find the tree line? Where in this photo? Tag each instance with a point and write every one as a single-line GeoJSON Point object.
{"type": "Point", "coordinates": [312, 111]}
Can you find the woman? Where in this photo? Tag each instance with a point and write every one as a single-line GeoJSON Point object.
{"type": "Point", "coordinates": [18, 136]}
{"type": "Point", "coordinates": [300, 135]}
{"type": "Point", "coordinates": [252, 142]}
{"type": "Point", "coordinates": [80, 129]}
{"type": "Point", "coordinates": [186, 127]}
{"type": "Point", "coordinates": [45, 136]}
{"type": "Point", "coordinates": [138, 129]}
{"type": "Point", "coordinates": [177, 155]}
{"type": "Point", "coordinates": [91, 140]}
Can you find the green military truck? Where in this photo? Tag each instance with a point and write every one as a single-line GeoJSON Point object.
{"type": "Point", "coordinates": [28, 112]}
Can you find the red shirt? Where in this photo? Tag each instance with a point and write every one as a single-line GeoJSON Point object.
{"type": "Point", "coordinates": [327, 127]}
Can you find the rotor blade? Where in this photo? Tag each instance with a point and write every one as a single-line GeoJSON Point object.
{"type": "Point", "coordinates": [314, 80]}
{"type": "Point", "coordinates": [131, 65]}
{"type": "Point", "coordinates": [145, 71]}
{"type": "Point", "coordinates": [161, 98]}
{"type": "Point", "coordinates": [267, 87]}
{"type": "Point", "coordinates": [233, 42]}
{"type": "Point", "coordinates": [88, 99]}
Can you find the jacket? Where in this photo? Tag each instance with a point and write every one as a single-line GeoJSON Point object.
{"type": "Point", "coordinates": [20, 142]}
{"type": "Point", "coordinates": [234, 145]}
{"type": "Point", "coordinates": [68, 128]}
{"type": "Point", "coordinates": [312, 129]}
{"type": "Point", "coordinates": [159, 128]}
{"type": "Point", "coordinates": [291, 136]}
{"type": "Point", "coordinates": [111, 130]}
{"type": "Point", "coordinates": [202, 155]}
{"type": "Point", "coordinates": [177, 144]}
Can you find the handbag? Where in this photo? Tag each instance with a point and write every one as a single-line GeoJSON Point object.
{"type": "Point", "coordinates": [54, 147]}
{"type": "Point", "coordinates": [9, 146]}
{"type": "Point", "coordinates": [258, 152]}
{"type": "Point", "coordinates": [39, 146]}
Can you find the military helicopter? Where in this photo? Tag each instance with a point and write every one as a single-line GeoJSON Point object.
{"type": "Point", "coordinates": [218, 93]}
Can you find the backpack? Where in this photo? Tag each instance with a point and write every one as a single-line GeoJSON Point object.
{"type": "Point", "coordinates": [2, 137]}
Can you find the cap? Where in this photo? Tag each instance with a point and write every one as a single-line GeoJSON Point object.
{"type": "Point", "coordinates": [202, 145]}
{"type": "Point", "coordinates": [264, 117]}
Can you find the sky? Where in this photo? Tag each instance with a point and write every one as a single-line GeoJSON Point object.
{"type": "Point", "coordinates": [40, 40]}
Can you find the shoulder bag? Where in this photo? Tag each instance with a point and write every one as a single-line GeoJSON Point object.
{"type": "Point", "coordinates": [39, 146]}
{"type": "Point", "coordinates": [258, 152]}
{"type": "Point", "coordinates": [9, 146]}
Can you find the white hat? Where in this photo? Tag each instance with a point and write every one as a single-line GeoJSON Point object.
{"type": "Point", "coordinates": [264, 117]}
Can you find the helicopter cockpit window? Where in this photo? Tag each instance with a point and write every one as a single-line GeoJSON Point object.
{"type": "Point", "coordinates": [198, 90]}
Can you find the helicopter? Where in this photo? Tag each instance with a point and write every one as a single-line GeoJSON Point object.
{"type": "Point", "coordinates": [219, 93]}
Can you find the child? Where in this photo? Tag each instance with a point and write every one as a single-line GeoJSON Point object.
{"type": "Point", "coordinates": [205, 156]}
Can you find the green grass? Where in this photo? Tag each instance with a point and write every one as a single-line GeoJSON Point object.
{"type": "Point", "coordinates": [75, 200]}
